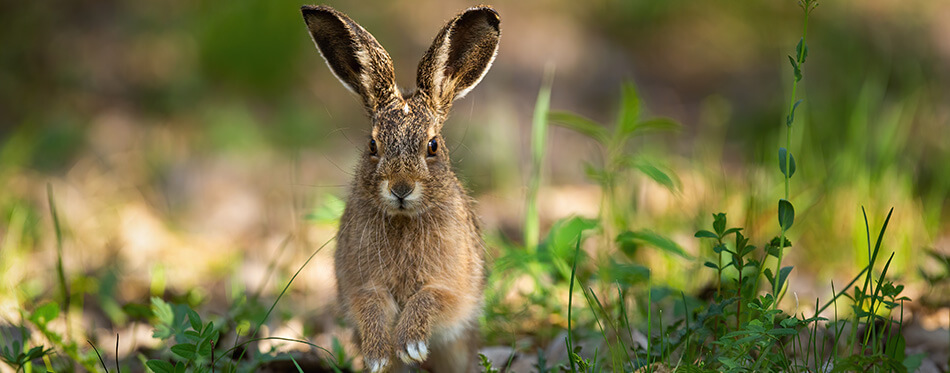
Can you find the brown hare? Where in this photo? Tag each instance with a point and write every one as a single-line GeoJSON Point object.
{"type": "Point", "coordinates": [409, 259]}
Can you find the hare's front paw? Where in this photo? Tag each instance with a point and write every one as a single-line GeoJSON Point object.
{"type": "Point", "coordinates": [377, 353]}
{"type": "Point", "coordinates": [375, 365]}
{"type": "Point", "coordinates": [413, 352]}
{"type": "Point", "coordinates": [412, 335]}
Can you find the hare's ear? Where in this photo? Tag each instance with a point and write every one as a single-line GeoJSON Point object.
{"type": "Point", "coordinates": [354, 56]}
{"type": "Point", "coordinates": [460, 56]}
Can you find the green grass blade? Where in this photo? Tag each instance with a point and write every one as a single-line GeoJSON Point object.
{"type": "Point", "coordinates": [539, 130]}
{"type": "Point", "coordinates": [570, 302]}
{"type": "Point", "coordinates": [60, 271]}
{"type": "Point", "coordinates": [299, 369]}
{"type": "Point", "coordinates": [600, 325]}
{"type": "Point", "coordinates": [877, 289]}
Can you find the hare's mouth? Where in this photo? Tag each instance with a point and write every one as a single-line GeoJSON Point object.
{"type": "Point", "coordinates": [401, 197]}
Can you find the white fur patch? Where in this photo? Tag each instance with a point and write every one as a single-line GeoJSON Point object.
{"type": "Point", "coordinates": [392, 202]}
{"type": "Point", "coordinates": [441, 57]}
{"type": "Point", "coordinates": [376, 366]}
{"type": "Point", "coordinates": [385, 194]}
{"type": "Point", "coordinates": [416, 193]}
{"type": "Point", "coordinates": [362, 55]}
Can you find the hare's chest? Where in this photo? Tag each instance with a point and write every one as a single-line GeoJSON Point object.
{"type": "Point", "coordinates": [420, 260]}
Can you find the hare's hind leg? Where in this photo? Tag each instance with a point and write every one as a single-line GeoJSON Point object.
{"type": "Point", "coordinates": [455, 355]}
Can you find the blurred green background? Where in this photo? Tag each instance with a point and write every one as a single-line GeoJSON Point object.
{"type": "Point", "coordinates": [185, 140]}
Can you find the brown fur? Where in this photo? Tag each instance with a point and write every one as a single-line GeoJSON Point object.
{"type": "Point", "coordinates": [409, 271]}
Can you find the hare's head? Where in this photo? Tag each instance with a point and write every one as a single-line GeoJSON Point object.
{"type": "Point", "coordinates": [405, 165]}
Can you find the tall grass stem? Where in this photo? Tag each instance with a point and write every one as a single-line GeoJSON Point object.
{"type": "Point", "coordinates": [539, 130]}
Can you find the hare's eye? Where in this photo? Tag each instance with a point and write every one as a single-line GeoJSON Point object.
{"type": "Point", "coordinates": [372, 147]}
{"type": "Point", "coordinates": [433, 147]}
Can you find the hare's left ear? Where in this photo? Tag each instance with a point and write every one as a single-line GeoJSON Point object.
{"type": "Point", "coordinates": [459, 57]}
{"type": "Point", "coordinates": [354, 56]}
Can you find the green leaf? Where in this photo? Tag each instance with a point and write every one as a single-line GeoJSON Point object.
{"type": "Point", "coordinates": [782, 331]}
{"type": "Point", "coordinates": [774, 242]}
{"type": "Point", "coordinates": [705, 234]}
{"type": "Point", "coordinates": [45, 313]}
{"type": "Point", "coordinates": [204, 348]}
{"type": "Point", "coordinates": [656, 125]}
{"type": "Point", "coordinates": [563, 234]}
{"type": "Point", "coordinates": [651, 170]}
{"type": "Point", "coordinates": [741, 242]}
{"type": "Point", "coordinates": [195, 320]}
{"type": "Point", "coordinates": [802, 55]}
{"type": "Point", "coordinates": [559, 244]}
{"type": "Point", "coordinates": [768, 276]}
{"type": "Point", "coordinates": [786, 214]}
{"type": "Point", "coordinates": [711, 265]}
{"type": "Point", "coordinates": [581, 125]}
{"type": "Point", "coordinates": [798, 70]}
{"type": "Point", "coordinates": [791, 114]}
{"type": "Point", "coordinates": [913, 362]}
{"type": "Point", "coordinates": [628, 274]}
{"type": "Point", "coordinates": [243, 327]}
{"type": "Point", "coordinates": [719, 223]}
{"type": "Point", "coordinates": [191, 336]}
{"type": "Point", "coordinates": [208, 329]}
{"type": "Point", "coordinates": [895, 348]}
{"type": "Point", "coordinates": [731, 231]}
{"type": "Point", "coordinates": [629, 248]}
{"type": "Point", "coordinates": [790, 322]}
{"type": "Point", "coordinates": [653, 239]}
{"type": "Point", "coordinates": [782, 276]}
{"type": "Point", "coordinates": [160, 366]}
{"type": "Point", "coordinates": [185, 350]}
{"type": "Point", "coordinates": [629, 109]}
{"type": "Point", "coordinates": [34, 353]}
{"type": "Point", "coordinates": [781, 162]}
{"type": "Point", "coordinates": [162, 311]}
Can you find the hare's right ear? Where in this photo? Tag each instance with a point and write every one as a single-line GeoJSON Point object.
{"type": "Point", "coordinates": [354, 56]}
{"type": "Point", "coordinates": [459, 57]}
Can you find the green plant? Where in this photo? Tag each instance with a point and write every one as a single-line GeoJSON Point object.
{"type": "Point", "coordinates": [618, 157]}
{"type": "Point", "coordinates": [786, 211]}
{"type": "Point", "coordinates": [193, 343]}
{"type": "Point", "coordinates": [486, 364]}
{"type": "Point", "coordinates": [195, 340]}
{"type": "Point", "coordinates": [939, 283]}
{"type": "Point", "coordinates": [17, 355]}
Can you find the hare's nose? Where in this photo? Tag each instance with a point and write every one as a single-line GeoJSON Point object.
{"type": "Point", "coordinates": [401, 190]}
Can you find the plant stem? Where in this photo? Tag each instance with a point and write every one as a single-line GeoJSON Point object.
{"type": "Point", "coordinates": [719, 270]}
{"type": "Point", "coordinates": [739, 301]}
{"type": "Point", "coordinates": [788, 155]}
